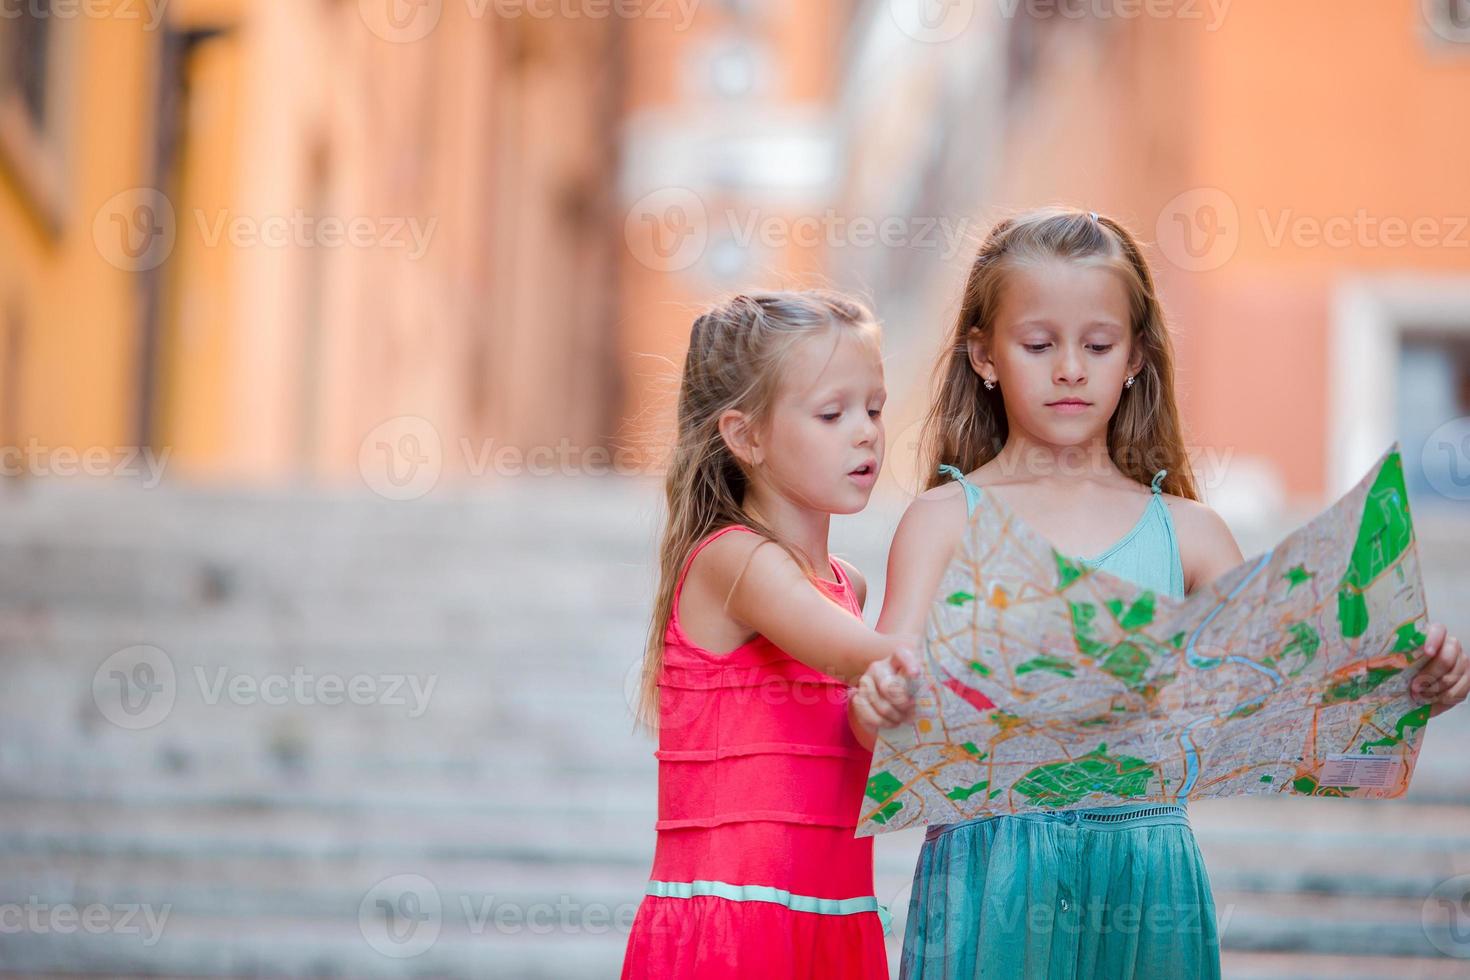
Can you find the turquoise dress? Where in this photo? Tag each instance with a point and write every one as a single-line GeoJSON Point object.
{"type": "Point", "coordinates": [1096, 892]}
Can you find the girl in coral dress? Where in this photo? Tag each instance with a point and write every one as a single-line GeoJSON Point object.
{"type": "Point", "coordinates": [756, 871]}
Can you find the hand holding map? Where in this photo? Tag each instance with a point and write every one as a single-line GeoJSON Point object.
{"type": "Point", "coordinates": [1048, 684]}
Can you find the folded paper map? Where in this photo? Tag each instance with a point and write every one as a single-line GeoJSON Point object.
{"type": "Point", "coordinates": [1048, 684]}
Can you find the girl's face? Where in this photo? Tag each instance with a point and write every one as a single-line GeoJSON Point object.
{"type": "Point", "coordinates": [822, 445]}
{"type": "Point", "coordinates": [1060, 350]}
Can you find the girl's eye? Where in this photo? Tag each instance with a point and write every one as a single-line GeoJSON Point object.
{"type": "Point", "coordinates": [874, 412]}
{"type": "Point", "coordinates": [829, 416]}
{"type": "Point", "coordinates": [1038, 348]}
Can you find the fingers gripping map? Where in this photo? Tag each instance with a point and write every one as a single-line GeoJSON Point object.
{"type": "Point", "coordinates": [1048, 684]}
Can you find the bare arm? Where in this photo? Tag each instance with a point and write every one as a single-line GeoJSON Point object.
{"type": "Point", "coordinates": [769, 594]}
{"type": "Point", "coordinates": [922, 548]}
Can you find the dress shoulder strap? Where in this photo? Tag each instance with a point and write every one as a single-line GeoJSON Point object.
{"type": "Point", "coordinates": [972, 492]}
{"type": "Point", "coordinates": [1154, 486]}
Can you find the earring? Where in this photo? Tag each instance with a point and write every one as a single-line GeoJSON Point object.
{"type": "Point", "coordinates": [1129, 382]}
{"type": "Point", "coordinates": [989, 385]}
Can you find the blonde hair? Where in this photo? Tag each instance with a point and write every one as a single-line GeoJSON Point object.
{"type": "Point", "coordinates": [966, 424]}
{"type": "Point", "coordinates": [736, 360]}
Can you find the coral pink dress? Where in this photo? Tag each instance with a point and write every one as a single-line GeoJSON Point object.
{"type": "Point", "coordinates": [756, 872]}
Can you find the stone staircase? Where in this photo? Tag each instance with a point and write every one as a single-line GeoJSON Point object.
{"type": "Point", "coordinates": [179, 796]}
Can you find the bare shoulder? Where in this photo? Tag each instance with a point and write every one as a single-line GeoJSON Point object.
{"type": "Point", "coordinates": [743, 557]}
{"type": "Point", "coordinates": [1207, 548]}
{"type": "Point", "coordinates": [931, 526]}
{"type": "Point", "coordinates": [1197, 518]}
{"type": "Point", "coordinates": [722, 562]}
{"type": "Point", "coordinates": [937, 510]}
{"type": "Point", "coordinates": [705, 604]}
{"type": "Point", "coordinates": [859, 584]}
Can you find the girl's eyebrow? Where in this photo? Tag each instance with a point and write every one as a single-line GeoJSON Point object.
{"type": "Point", "coordinates": [1049, 325]}
{"type": "Point", "coordinates": [829, 394]}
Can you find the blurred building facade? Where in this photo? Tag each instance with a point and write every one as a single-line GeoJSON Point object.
{"type": "Point", "coordinates": [1304, 253]}
{"type": "Point", "coordinates": [249, 233]}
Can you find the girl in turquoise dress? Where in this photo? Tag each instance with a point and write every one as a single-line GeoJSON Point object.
{"type": "Point", "coordinates": [1094, 892]}
{"type": "Point", "coordinates": [1056, 394]}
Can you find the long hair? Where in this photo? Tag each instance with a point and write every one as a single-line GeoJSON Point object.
{"type": "Point", "coordinates": [966, 424]}
{"type": "Point", "coordinates": [737, 355]}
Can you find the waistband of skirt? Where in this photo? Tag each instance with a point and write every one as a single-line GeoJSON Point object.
{"type": "Point", "coordinates": [1089, 818]}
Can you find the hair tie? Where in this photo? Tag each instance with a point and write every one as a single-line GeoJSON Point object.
{"type": "Point", "coordinates": [1093, 214]}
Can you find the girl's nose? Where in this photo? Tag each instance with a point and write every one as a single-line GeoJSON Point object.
{"type": "Point", "coordinates": [1070, 369]}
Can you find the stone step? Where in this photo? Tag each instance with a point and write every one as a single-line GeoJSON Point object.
{"type": "Point", "coordinates": [82, 578]}
{"type": "Point", "coordinates": [559, 833]}
{"type": "Point", "coordinates": [1245, 850]}
{"type": "Point", "coordinates": [115, 508]}
{"type": "Point", "coordinates": [273, 885]}
{"type": "Point", "coordinates": [595, 653]}
{"type": "Point", "coordinates": [1414, 926]}
{"type": "Point", "coordinates": [1252, 965]}
{"type": "Point", "coordinates": [289, 763]}
{"type": "Point", "coordinates": [414, 944]}
{"type": "Point", "coordinates": [334, 625]}
{"type": "Point", "coordinates": [179, 549]}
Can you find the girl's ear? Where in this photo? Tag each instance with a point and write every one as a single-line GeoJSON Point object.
{"type": "Point", "coordinates": [1135, 362]}
{"type": "Point", "coordinates": [980, 360]}
{"type": "Point", "coordinates": [741, 438]}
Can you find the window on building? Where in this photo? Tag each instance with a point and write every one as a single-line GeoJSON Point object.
{"type": "Point", "coordinates": [23, 47]}
{"type": "Point", "coordinates": [1449, 19]}
{"type": "Point", "coordinates": [28, 142]}
{"type": "Point", "coordinates": [1434, 414]}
